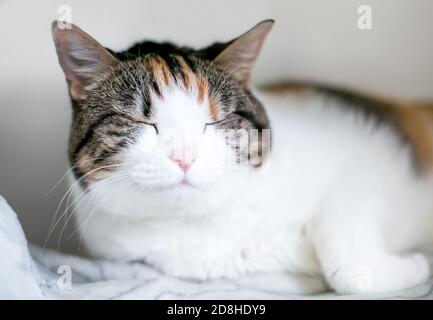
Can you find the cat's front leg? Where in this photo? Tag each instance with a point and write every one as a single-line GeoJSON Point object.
{"type": "Point", "coordinates": [353, 256]}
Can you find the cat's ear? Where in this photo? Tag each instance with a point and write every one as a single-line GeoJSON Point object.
{"type": "Point", "coordinates": [80, 56]}
{"type": "Point", "coordinates": [240, 54]}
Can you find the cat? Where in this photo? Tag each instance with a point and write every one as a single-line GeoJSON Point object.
{"type": "Point", "coordinates": [331, 183]}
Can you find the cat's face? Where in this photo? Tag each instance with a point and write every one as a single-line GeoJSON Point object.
{"type": "Point", "coordinates": [162, 122]}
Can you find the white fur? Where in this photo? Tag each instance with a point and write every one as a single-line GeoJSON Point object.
{"type": "Point", "coordinates": [338, 199]}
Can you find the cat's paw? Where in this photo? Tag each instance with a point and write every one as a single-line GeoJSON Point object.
{"type": "Point", "coordinates": [390, 273]}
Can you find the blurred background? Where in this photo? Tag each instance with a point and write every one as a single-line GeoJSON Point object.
{"type": "Point", "coordinates": [315, 40]}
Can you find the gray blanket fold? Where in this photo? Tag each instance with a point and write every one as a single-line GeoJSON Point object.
{"type": "Point", "coordinates": [29, 272]}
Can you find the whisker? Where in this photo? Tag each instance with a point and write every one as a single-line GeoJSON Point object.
{"type": "Point", "coordinates": [61, 179]}
{"type": "Point", "coordinates": [224, 81]}
{"type": "Point", "coordinates": [233, 97]}
{"type": "Point", "coordinates": [104, 183]}
{"type": "Point", "coordinates": [83, 226]}
{"type": "Point", "coordinates": [86, 195]}
{"type": "Point", "coordinates": [115, 211]}
{"type": "Point", "coordinates": [70, 189]}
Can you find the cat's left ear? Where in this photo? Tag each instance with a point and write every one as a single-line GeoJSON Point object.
{"type": "Point", "coordinates": [239, 56]}
{"type": "Point", "coordinates": [81, 57]}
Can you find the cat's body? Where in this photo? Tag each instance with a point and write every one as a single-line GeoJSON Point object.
{"type": "Point", "coordinates": [343, 194]}
{"type": "Point", "coordinates": [325, 157]}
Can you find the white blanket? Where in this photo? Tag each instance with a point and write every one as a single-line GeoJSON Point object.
{"type": "Point", "coordinates": [34, 273]}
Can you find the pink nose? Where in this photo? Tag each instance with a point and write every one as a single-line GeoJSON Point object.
{"type": "Point", "coordinates": [184, 160]}
{"type": "Point", "coordinates": [183, 165]}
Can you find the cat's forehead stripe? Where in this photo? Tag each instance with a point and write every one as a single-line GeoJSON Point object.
{"type": "Point", "coordinates": [202, 90]}
{"type": "Point", "coordinates": [177, 71]}
{"type": "Point", "coordinates": [189, 78]}
{"type": "Point", "coordinates": [159, 68]}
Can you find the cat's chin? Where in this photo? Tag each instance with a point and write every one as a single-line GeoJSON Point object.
{"type": "Point", "coordinates": [183, 185]}
{"type": "Point", "coordinates": [183, 189]}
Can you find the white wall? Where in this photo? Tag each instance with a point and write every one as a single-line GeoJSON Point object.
{"type": "Point", "coordinates": [312, 40]}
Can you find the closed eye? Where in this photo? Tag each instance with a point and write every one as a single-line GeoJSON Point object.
{"type": "Point", "coordinates": [154, 125]}
{"type": "Point", "coordinates": [137, 120]}
{"type": "Point", "coordinates": [211, 124]}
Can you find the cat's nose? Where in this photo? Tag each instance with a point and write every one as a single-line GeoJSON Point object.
{"type": "Point", "coordinates": [184, 166]}
{"type": "Point", "coordinates": [183, 159]}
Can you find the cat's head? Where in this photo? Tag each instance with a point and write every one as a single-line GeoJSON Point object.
{"type": "Point", "coordinates": [161, 120]}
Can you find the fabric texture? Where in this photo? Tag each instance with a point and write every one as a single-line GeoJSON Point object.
{"type": "Point", "coordinates": [30, 272]}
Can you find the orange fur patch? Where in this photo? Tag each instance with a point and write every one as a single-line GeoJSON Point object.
{"type": "Point", "coordinates": [190, 81]}
{"type": "Point", "coordinates": [189, 78]}
{"type": "Point", "coordinates": [202, 91]}
{"type": "Point", "coordinates": [159, 69]}
{"type": "Point", "coordinates": [201, 86]}
{"type": "Point", "coordinates": [417, 123]}
{"type": "Point", "coordinates": [213, 109]}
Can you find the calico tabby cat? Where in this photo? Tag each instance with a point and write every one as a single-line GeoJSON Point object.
{"type": "Point", "coordinates": [342, 188]}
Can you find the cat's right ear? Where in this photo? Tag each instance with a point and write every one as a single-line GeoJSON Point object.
{"type": "Point", "coordinates": [81, 57]}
